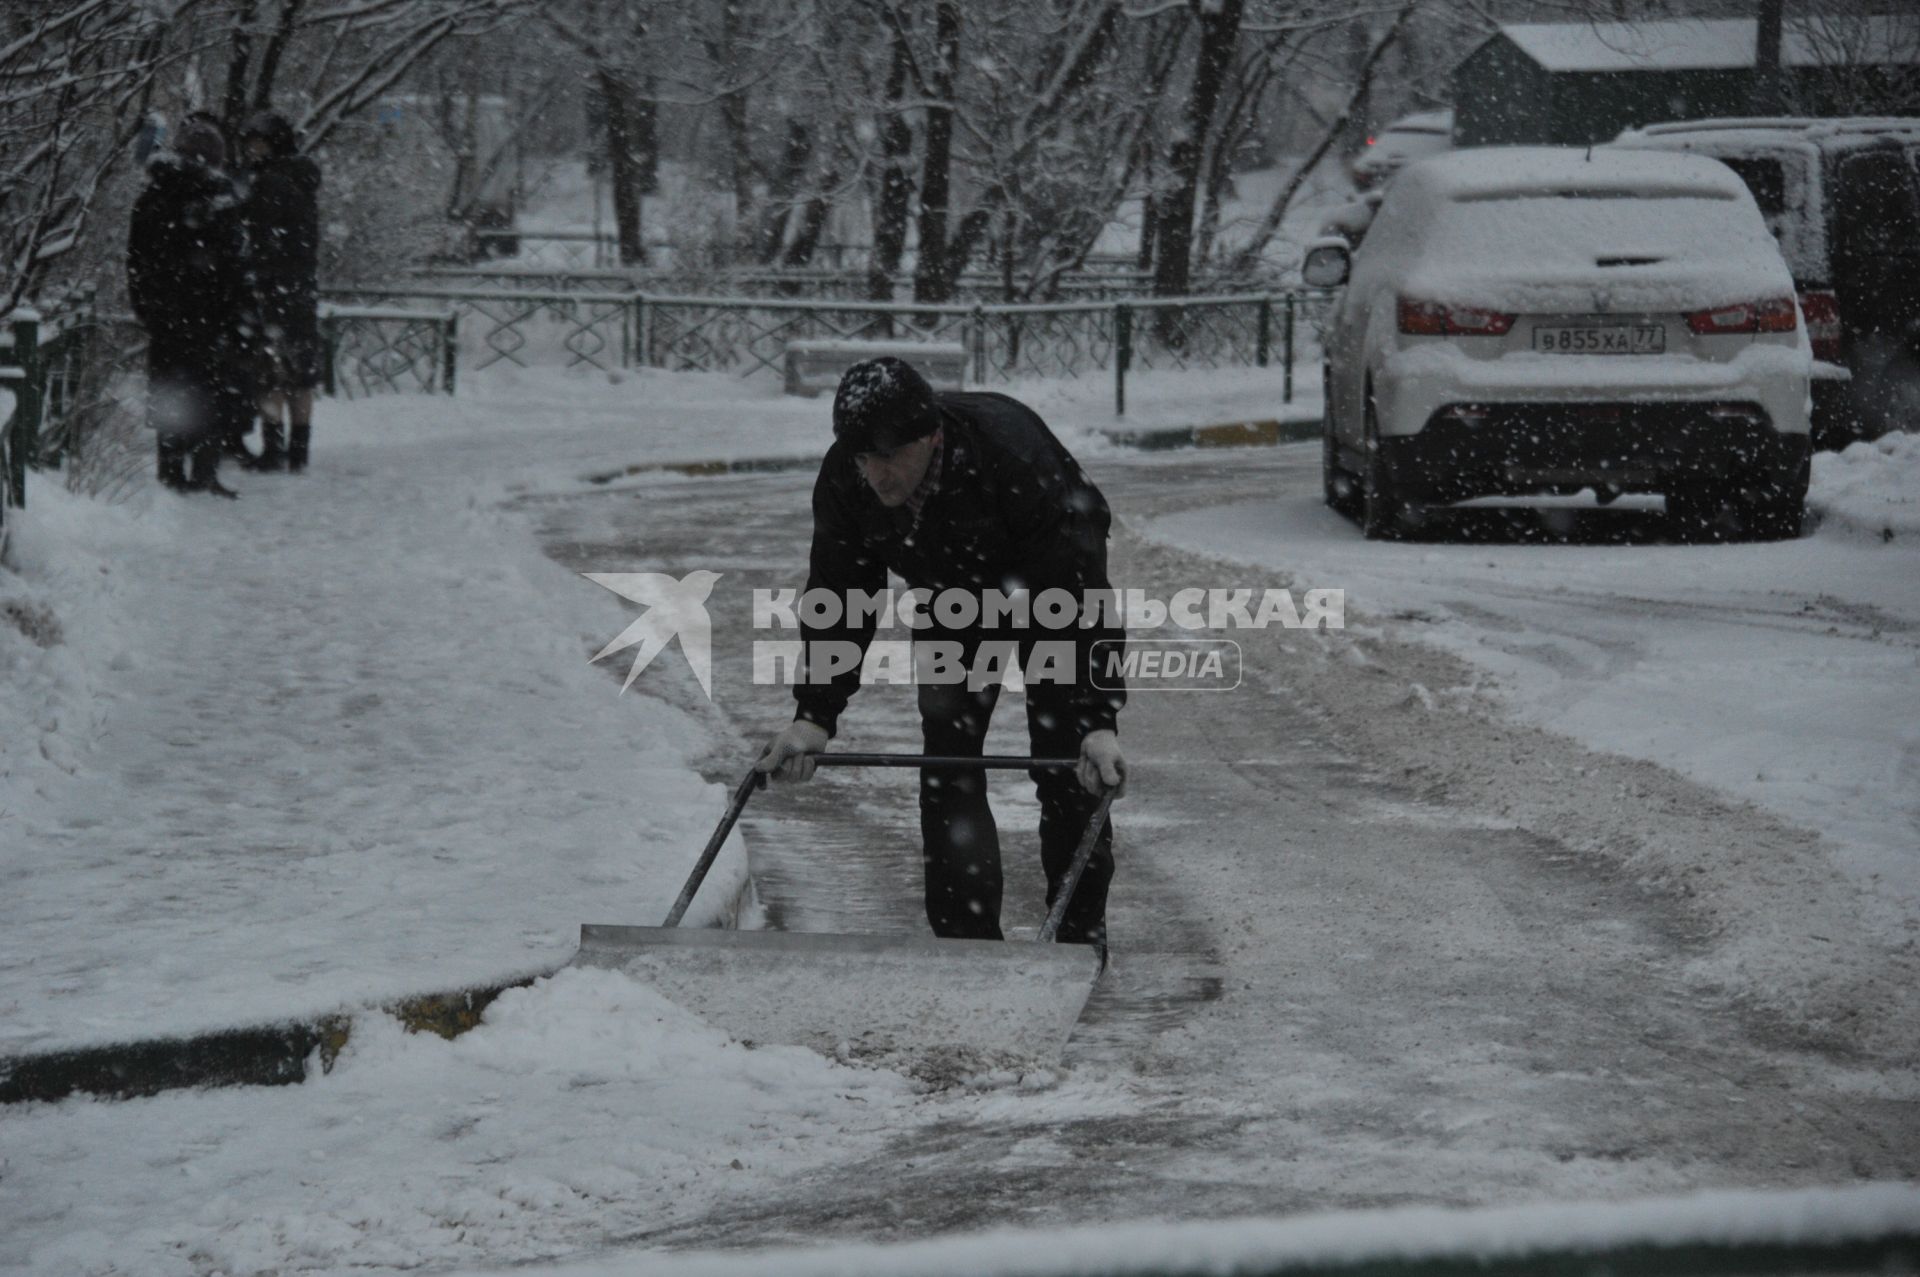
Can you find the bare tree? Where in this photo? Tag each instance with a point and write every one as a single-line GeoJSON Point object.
{"type": "Point", "coordinates": [1331, 133]}
{"type": "Point", "coordinates": [75, 86]}
{"type": "Point", "coordinates": [1219, 24]}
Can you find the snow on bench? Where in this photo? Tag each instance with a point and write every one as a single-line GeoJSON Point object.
{"type": "Point", "coordinates": [814, 366]}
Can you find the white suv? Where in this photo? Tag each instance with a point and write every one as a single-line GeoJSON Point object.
{"type": "Point", "coordinates": [1526, 320]}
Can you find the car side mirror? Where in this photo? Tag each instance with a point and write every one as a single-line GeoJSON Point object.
{"type": "Point", "coordinates": [1327, 263]}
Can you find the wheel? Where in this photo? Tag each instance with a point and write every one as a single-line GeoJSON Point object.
{"type": "Point", "coordinates": [1703, 511]}
{"type": "Point", "coordinates": [1778, 518]}
{"type": "Point", "coordinates": [1381, 509]}
{"type": "Point", "coordinates": [1775, 509]}
{"type": "Point", "coordinates": [1337, 483]}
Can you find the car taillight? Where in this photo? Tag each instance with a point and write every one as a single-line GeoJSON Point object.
{"type": "Point", "coordinates": [1437, 319]}
{"type": "Point", "coordinates": [1769, 315]}
{"type": "Point", "coordinates": [1822, 312]}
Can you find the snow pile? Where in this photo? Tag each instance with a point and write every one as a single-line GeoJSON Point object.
{"type": "Point", "coordinates": [1820, 1217]}
{"type": "Point", "coordinates": [64, 632]}
{"type": "Point", "coordinates": [1871, 489]}
{"type": "Point", "coordinates": [585, 1110]}
{"type": "Point", "coordinates": [332, 744]}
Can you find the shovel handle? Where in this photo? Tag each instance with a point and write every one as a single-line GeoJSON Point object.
{"type": "Point", "coordinates": [1081, 855]}
{"type": "Point", "coordinates": [738, 803]}
{"type": "Point", "coordinates": [988, 762]}
{"type": "Point", "coordinates": [755, 779]}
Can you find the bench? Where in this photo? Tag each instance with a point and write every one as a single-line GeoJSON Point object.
{"type": "Point", "coordinates": [814, 366]}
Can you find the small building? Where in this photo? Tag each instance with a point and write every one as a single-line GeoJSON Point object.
{"type": "Point", "coordinates": [1571, 83]}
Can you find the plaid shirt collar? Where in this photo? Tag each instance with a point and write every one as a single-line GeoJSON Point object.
{"type": "Point", "coordinates": [929, 482]}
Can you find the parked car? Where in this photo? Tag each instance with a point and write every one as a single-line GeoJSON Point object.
{"type": "Point", "coordinates": [1409, 138]}
{"type": "Point", "coordinates": [1528, 320]}
{"type": "Point", "coordinates": [1349, 221]}
{"type": "Point", "coordinates": [1843, 198]}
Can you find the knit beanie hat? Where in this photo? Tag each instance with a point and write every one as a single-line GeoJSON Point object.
{"type": "Point", "coordinates": [881, 404]}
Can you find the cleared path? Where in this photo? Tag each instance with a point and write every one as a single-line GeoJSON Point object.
{"type": "Point", "coordinates": [1333, 987]}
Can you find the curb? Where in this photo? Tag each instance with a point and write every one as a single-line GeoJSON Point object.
{"type": "Point", "coordinates": [1229, 434]}
{"type": "Point", "coordinates": [262, 1055]}
{"type": "Point", "coordinates": [743, 465]}
{"type": "Point", "coordinates": [280, 1054]}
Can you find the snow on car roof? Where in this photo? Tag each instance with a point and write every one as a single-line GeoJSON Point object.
{"type": "Point", "coordinates": [1695, 44]}
{"type": "Point", "coordinates": [1534, 228]}
{"type": "Point", "coordinates": [1422, 122]}
{"type": "Point", "coordinates": [1807, 125]}
{"type": "Point", "coordinates": [1518, 172]}
{"type": "Point", "coordinates": [1770, 134]}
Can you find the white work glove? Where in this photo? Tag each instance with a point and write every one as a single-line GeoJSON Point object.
{"type": "Point", "coordinates": [1101, 767]}
{"type": "Point", "coordinates": [789, 755]}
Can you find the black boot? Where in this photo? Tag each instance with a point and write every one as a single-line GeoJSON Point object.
{"type": "Point", "coordinates": [273, 454]}
{"type": "Point", "coordinates": [235, 446]}
{"type": "Point", "coordinates": [297, 437]}
{"type": "Point", "coordinates": [173, 464]}
{"type": "Point", "coordinates": [206, 470]}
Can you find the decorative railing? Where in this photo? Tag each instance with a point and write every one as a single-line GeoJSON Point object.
{"type": "Point", "coordinates": [520, 327]}
{"type": "Point", "coordinates": [61, 370]}
{"type": "Point", "coordinates": [368, 350]}
{"type": "Point", "coordinates": [746, 335]}
{"type": "Point", "coordinates": [65, 374]}
{"type": "Point", "coordinates": [975, 286]}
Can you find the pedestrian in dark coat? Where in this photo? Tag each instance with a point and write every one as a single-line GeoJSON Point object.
{"type": "Point", "coordinates": [971, 493]}
{"type": "Point", "coordinates": [283, 235]}
{"type": "Point", "coordinates": [186, 278]}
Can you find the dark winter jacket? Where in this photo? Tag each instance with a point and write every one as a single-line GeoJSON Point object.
{"type": "Point", "coordinates": [1013, 510]}
{"type": "Point", "coordinates": [186, 265]}
{"type": "Point", "coordinates": [282, 212]}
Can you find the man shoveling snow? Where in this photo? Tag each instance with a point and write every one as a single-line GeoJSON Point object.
{"type": "Point", "coordinates": [966, 493]}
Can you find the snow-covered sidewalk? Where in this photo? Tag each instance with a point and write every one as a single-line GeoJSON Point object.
{"type": "Point", "coordinates": [338, 742]}
{"type": "Point", "coordinates": [332, 743]}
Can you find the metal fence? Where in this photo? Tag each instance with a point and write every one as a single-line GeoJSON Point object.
{"type": "Point", "coordinates": [64, 372]}
{"type": "Point", "coordinates": [975, 286]}
{"type": "Point", "coordinates": [749, 335]}
{"type": "Point", "coordinates": [367, 350]}
{"type": "Point", "coordinates": [60, 369]}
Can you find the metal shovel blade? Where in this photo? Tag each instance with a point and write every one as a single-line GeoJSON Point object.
{"type": "Point", "coordinates": [861, 996]}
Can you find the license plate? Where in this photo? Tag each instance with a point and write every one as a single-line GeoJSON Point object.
{"type": "Point", "coordinates": [1600, 339]}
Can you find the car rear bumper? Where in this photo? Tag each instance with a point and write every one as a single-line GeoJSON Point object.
{"type": "Point", "coordinates": [1419, 381]}
{"type": "Point", "coordinates": [1523, 448]}
{"type": "Point", "coordinates": [1452, 426]}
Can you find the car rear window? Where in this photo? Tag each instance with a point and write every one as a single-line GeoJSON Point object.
{"type": "Point", "coordinates": [1767, 179]}
{"type": "Point", "coordinates": [1578, 229]}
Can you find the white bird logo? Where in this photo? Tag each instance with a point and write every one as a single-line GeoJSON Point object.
{"type": "Point", "coordinates": [674, 608]}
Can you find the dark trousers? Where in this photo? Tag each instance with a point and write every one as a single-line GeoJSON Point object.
{"type": "Point", "coordinates": [960, 840]}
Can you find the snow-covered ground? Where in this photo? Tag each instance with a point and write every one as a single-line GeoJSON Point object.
{"type": "Point", "coordinates": [331, 743]}
{"type": "Point", "coordinates": [1786, 673]}
{"type": "Point", "coordinates": [339, 741]}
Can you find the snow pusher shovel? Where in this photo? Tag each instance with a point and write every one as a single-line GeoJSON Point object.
{"type": "Point", "coordinates": [867, 995]}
